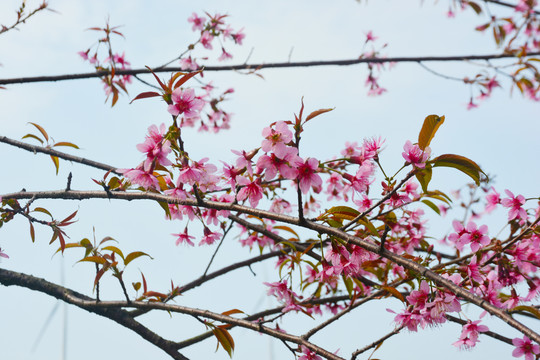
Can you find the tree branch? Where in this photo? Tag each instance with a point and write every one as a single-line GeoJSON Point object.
{"type": "Point", "coordinates": [8, 278]}
{"type": "Point", "coordinates": [398, 59]}
{"type": "Point", "coordinates": [322, 229]}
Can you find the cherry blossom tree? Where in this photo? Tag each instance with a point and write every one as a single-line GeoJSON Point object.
{"type": "Point", "coordinates": [338, 232]}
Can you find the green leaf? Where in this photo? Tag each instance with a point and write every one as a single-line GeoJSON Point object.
{"type": "Point", "coordinates": [132, 256]}
{"type": "Point", "coordinates": [461, 163]}
{"type": "Point", "coordinates": [424, 177]}
{"type": "Point", "coordinates": [432, 206]}
{"type": "Point", "coordinates": [369, 225]}
{"type": "Point", "coordinates": [349, 285]}
{"type": "Point", "coordinates": [429, 128]}
{"type": "Point", "coordinates": [225, 339]}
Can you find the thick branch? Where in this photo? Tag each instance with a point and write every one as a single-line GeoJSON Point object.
{"type": "Point", "coordinates": [8, 278]}
{"type": "Point", "coordinates": [322, 229]}
{"type": "Point", "coordinates": [398, 59]}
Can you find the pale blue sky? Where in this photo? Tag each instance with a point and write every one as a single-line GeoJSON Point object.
{"type": "Point", "coordinates": [501, 135]}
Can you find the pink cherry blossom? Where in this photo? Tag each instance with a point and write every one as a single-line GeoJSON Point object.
{"type": "Point", "coordinates": [206, 40]}
{"type": "Point", "coordinates": [185, 102]}
{"type": "Point", "coordinates": [155, 147]}
{"type": "Point", "coordinates": [224, 55]}
{"type": "Point", "coordinates": [239, 37]}
{"type": "Point", "coordinates": [307, 175]}
{"type": "Point", "coordinates": [307, 354]}
{"type": "Point", "coordinates": [514, 203]}
{"type": "Point", "coordinates": [209, 237]}
{"type": "Point", "coordinates": [140, 177]}
{"type": "Point", "coordinates": [492, 200]}
{"type": "Point", "coordinates": [276, 139]}
{"type": "Point", "coordinates": [414, 155]}
{"type": "Point", "coordinates": [198, 22]}
{"type": "Point", "coordinates": [188, 64]}
{"type": "Point", "coordinates": [184, 238]}
{"type": "Point", "coordinates": [477, 237]}
{"type": "Point", "coordinates": [525, 347]}
{"type": "Point", "coordinates": [251, 190]}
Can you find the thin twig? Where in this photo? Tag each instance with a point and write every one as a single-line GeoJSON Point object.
{"type": "Point", "coordinates": [348, 62]}
{"type": "Point", "coordinates": [45, 150]}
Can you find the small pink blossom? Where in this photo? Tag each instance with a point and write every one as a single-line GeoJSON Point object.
{"type": "Point", "coordinates": [307, 354]}
{"type": "Point", "coordinates": [477, 237]}
{"type": "Point", "coordinates": [185, 102]}
{"type": "Point", "coordinates": [239, 37]}
{"type": "Point", "coordinates": [188, 64]}
{"type": "Point", "coordinates": [206, 40]}
{"type": "Point", "coordinates": [251, 190]}
{"type": "Point", "coordinates": [525, 347]}
{"type": "Point", "coordinates": [514, 203]}
{"type": "Point", "coordinates": [224, 55]}
{"type": "Point", "coordinates": [276, 139]}
{"type": "Point", "coordinates": [370, 36]}
{"type": "Point", "coordinates": [492, 200]}
{"type": "Point", "coordinates": [140, 177]}
{"type": "Point", "coordinates": [198, 22]}
{"type": "Point", "coordinates": [184, 238]}
{"type": "Point", "coordinates": [3, 254]}
{"type": "Point", "coordinates": [307, 175]}
{"type": "Point", "coordinates": [414, 155]}
{"type": "Point", "coordinates": [209, 237]}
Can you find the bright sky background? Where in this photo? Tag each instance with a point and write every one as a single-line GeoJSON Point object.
{"type": "Point", "coordinates": [501, 135]}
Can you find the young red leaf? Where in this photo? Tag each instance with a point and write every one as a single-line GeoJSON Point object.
{"type": "Point", "coordinates": [144, 95]}
{"type": "Point", "coordinates": [185, 78]}
{"type": "Point", "coordinates": [317, 113]}
{"type": "Point", "coordinates": [165, 88]}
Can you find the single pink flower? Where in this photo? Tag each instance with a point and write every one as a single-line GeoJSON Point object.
{"type": "Point", "coordinates": [206, 40]}
{"type": "Point", "coordinates": [514, 203]}
{"type": "Point", "coordinates": [185, 102]}
{"type": "Point", "coordinates": [198, 22]}
{"type": "Point", "coordinates": [188, 64]}
{"type": "Point", "coordinates": [224, 55]}
{"type": "Point", "coordinates": [370, 36]}
{"type": "Point", "coordinates": [492, 200]}
{"type": "Point", "coordinates": [415, 156]}
{"type": "Point", "coordinates": [307, 175]}
{"type": "Point", "coordinates": [239, 37]}
{"type": "Point", "coordinates": [184, 238]}
{"type": "Point", "coordinates": [276, 139]}
{"type": "Point", "coordinates": [209, 237]}
{"type": "Point", "coordinates": [140, 177]}
{"type": "Point", "coordinates": [525, 347]}
{"type": "Point", "coordinates": [251, 190]}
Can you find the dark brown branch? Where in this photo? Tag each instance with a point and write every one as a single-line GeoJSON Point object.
{"type": "Point", "coordinates": [505, 4]}
{"type": "Point", "coordinates": [349, 62]}
{"type": "Point", "coordinates": [8, 278]}
{"type": "Point", "coordinates": [321, 229]}
{"type": "Point", "coordinates": [376, 342]}
{"type": "Point", "coordinates": [45, 150]}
